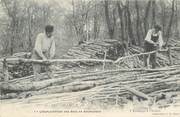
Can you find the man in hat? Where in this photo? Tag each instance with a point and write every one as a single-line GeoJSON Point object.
{"type": "Point", "coordinates": [44, 49]}
{"type": "Point", "coordinates": [153, 41]}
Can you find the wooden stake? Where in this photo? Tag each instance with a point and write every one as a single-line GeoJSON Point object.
{"type": "Point", "coordinates": [104, 63]}
{"type": "Point", "coordinates": [5, 70]}
{"type": "Point", "coordinates": [169, 55]}
{"type": "Point", "coordinates": [148, 59]}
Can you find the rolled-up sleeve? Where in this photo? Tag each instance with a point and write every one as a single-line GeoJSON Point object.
{"type": "Point", "coordinates": [148, 37]}
{"type": "Point", "coordinates": [38, 46]}
{"type": "Point", "coordinates": [52, 49]}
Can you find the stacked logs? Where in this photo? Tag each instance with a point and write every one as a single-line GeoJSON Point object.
{"type": "Point", "coordinates": [113, 49]}
{"type": "Point", "coordinates": [98, 49]}
{"type": "Point", "coordinates": [95, 49]}
{"type": "Point", "coordinates": [18, 69]}
{"type": "Point", "coordinates": [104, 84]}
{"type": "Point", "coordinates": [115, 85]}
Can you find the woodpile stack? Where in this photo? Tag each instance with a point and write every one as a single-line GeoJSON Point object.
{"type": "Point", "coordinates": [127, 81]}
{"type": "Point", "coordinates": [19, 69]}
{"type": "Point", "coordinates": [95, 49]}
{"type": "Point", "coordinates": [112, 49]}
{"type": "Point", "coordinates": [104, 86]}
{"type": "Point", "coordinates": [98, 49]}
{"type": "Point", "coordinates": [16, 68]}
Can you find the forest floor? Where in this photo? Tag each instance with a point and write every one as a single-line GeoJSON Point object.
{"type": "Point", "coordinates": [44, 105]}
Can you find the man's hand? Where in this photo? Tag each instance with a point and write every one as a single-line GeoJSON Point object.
{"type": "Point", "coordinates": [155, 44]}
{"type": "Point", "coordinates": [47, 62]}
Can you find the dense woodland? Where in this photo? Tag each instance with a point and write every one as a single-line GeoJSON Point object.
{"type": "Point", "coordinates": [99, 56]}
{"type": "Point", "coordinates": [83, 20]}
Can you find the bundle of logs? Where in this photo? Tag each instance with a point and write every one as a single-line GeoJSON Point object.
{"type": "Point", "coordinates": [17, 69]}
{"type": "Point", "coordinates": [98, 49]}
{"type": "Point", "coordinates": [113, 49]}
{"type": "Point", "coordinates": [116, 86]}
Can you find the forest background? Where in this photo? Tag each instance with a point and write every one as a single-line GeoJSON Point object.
{"type": "Point", "coordinates": [81, 20]}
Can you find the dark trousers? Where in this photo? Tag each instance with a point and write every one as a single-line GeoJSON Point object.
{"type": "Point", "coordinates": [148, 47]}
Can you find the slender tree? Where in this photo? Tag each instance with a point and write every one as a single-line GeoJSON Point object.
{"type": "Point", "coordinates": [163, 17]}
{"type": "Point", "coordinates": [130, 28]}
{"type": "Point", "coordinates": [146, 24]}
{"type": "Point", "coordinates": [138, 22]}
{"type": "Point", "coordinates": [120, 12]}
{"type": "Point", "coordinates": [108, 20]}
{"type": "Point", "coordinates": [153, 13]}
{"type": "Point", "coordinates": [177, 23]}
{"type": "Point", "coordinates": [170, 23]}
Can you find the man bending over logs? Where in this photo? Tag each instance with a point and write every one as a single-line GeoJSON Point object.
{"type": "Point", "coordinates": [152, 41]}
{"type": "Point", "coordinates": [44, 49]}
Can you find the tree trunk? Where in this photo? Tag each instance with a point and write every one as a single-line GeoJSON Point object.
{"type": "Point", "coordinates": [95, 22]}
{"type": "Point", "coordinates": [177, 24]}
{"type": "Point", "coordinates": [153, 13]}
{"type": "Point", "coordinates": [170, 23]}
{"type": "Point", "coordinates": [120, 11]}
{"type": "Point", "coordinates": [12, 38]}
{"type": "Point", "coordinates": [126, 25]}
{"type": "Point", "coordinates": [138, 23]}
{"type": "Point", "coordinates": [163, 19]}
{"type": "Point", "coordinates": [146, 25]}
{"type": "Point", "coordinates": [29, 30]}
{"type": "Point", "coordinates": [130, 28]}
{"type": "Point", "coordinates": [109, 25]}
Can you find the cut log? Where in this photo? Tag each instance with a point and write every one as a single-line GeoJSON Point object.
{"type": "Point", "coordinates": [20, 87]}
{"type": "Point", "coordinates": [8, 96]}
{"type": "Point", "coordinates": [58, 60]}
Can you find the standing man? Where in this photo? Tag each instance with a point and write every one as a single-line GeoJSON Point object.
{"type": "Point", "coordinates": [153, 40]}
{"type": "Point", "coordinates": [44, 49]}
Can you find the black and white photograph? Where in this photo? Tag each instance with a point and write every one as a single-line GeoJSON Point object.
{"type": "Point", "coordinates": [93, 58]}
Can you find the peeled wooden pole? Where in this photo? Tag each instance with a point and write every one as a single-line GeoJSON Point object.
{"type": "Point", "coordinates": [57, 60]}
{"type": "Point", "coordinates": [81, 60]}
{"type": "Point", "coordinates": [104, 63]}
{"type": "Point", "coordinates": [5, 71]}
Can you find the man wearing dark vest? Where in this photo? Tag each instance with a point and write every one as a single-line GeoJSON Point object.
{"type": "Point", "coordinates": [153, 40]}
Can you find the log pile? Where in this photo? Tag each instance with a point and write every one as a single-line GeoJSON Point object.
{"type": "Point", "coordinates": [95, 49]}
{"type": "Point", "coordinates": [128, 81]}
{"type": "Point", "coordinates": [19, 69]}
{"type": "Point", "coordinates": [112, 49]}
{"type": "Point", "coordinates": [99, 49]}
{"type": "Point", "coordinates": [102, 86]}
